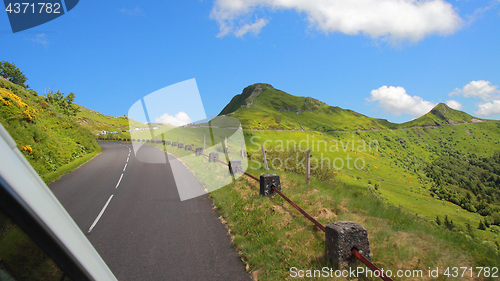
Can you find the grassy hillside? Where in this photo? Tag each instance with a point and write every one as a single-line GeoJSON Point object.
{"type": "Point", "coordinates": [49, 139]}
{"type": "Point", "coordinates": [98, 122]}
{"type": "Point", "coordinates": [441, 115]}
{"type": "Point", "coordinates": [262, 107]}
{"type": "Point", "coordinates": [273, 237]}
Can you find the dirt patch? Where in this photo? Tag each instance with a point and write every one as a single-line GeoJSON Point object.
{"type": "Point", "coordinates": [342, 207]}
{"type": "Point", "coordinates": [312, 191]}
{"type": "Point", "coordinates": [278, 209]}
{"type": "Point", "coordinates": [326, 214]}
{"type": "Point", "coordinates": [246, 208]}
{"type": "Point", "coordinates": [467, 132]}
{"type": "Point", "coordinates": [287, 218]}
{"type": "Point", "coordinates": [255, 275]}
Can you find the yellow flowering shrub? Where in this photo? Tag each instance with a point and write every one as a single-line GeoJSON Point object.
{"type": "Point", "coordinates": [17, 99]}
{"type": "Point", "coordinates": [44, 104]}
{"type": "Point", "coordinates": [5, 102]}
{"type": "Point", "coordinates": [27, 148]}
{"type": "Point", "coordinates": [30, 114]}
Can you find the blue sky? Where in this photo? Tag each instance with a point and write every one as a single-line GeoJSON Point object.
{"type": "Point", "coordinates": [386, 59]}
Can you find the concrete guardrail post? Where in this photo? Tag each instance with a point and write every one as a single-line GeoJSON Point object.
{"type": "Point", "coordinates": [341, 238]}
{"type": "Point", "coordinates": [268, 180]}
{"type": "Point", "coordinates": [180, 145]}
{"type": "Point", "coordinates": [198, 151]}
{"type": "Point", "coordinates": [187, 147]}
{"type": "Point", "coordinates": [233, 166]}
{"type": "Point", "coordinates": [174, 143]}
{"type": "Point", "coordinates": [213, 157]}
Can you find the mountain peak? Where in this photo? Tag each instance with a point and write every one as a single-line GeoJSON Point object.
{"type": "Point", "coordinates": [245, 99]}
{"type": "Point", "coordinates": [442, 114]}
{"type": "Point", "coordinates": [443, 111]}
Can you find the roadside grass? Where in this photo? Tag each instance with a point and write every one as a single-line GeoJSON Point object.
{"type": "Point", "coordinates": [47, 138]}
{"type": "Point", "coordinates": [272, 236]}
{"type": "Point", "coordinates": [68, 168]}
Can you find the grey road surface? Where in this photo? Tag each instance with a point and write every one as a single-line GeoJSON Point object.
{"type": "Point", "coordinates": [138, 224]}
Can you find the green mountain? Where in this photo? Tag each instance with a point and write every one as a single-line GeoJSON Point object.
{"type": "Point", "coordinates": [441, 115]}
{"type": "Point", "coordinates": [261, 106]}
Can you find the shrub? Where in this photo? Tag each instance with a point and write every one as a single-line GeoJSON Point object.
{"type": "Point", "coordinates": [10, 72]}
{"type": "Point", "coordinates": [294, 161]}
{"type": "Point", "coordinates": [27, 148]}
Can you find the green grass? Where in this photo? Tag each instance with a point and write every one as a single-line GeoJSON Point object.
{"type": "Point", "coordinates": [68, 168]}
{"type": "Point", "coordinates": [9, 240]}
{"type": "Point", "coordinates": [396, 166]}
{"type": "Point", "coordinates": [24, 257]}
{"type": "Point", "coordinates": [272, 236]}
{"type": "Point", "coordinates": [98, 122]}
{"type": "Point", "coordinates": [47, 138]}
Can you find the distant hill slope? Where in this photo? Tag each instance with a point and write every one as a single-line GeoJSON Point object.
{"type": "Point", "coordinates": [47, 138]}
{"type": "Point", "coordinates": [261, 106]}
{"type": "Point", "coordinates": [441, 115]}
{"type": "Point", "coordinates": [98, 122]}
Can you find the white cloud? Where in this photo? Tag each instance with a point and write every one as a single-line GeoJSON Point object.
{"type": "Point", "coordinates": [131, 12]}
{"type": "Point", "coordinates": [488, 108]}
{"type": "Point", "coordinates": [478, 13]}
{"type": "Point", "coordinates": [176, 120]}
{"type": "Point", "coordinates": [484, 90]}
{"type": "Point", "coordinates": [394, 20]}
{"type": "Point", "coordinates": [454, 104]}
{"type": "Point", "coordinates": [254, 28]}
{"type": "Point", "coordinates": [478, 89]}
{"type": "Point", "coordinates": [41, 39]}
{"type": "Point", "coordinates": [396, 101]}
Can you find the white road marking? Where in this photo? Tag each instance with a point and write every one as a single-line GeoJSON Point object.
{"type": "Point", "coordinates": [125, 166]}
{"type": "Point", "coordinates": [128, 158]}
{"type": "Point", "coordinates": [100, 214]}
{"type": "Point", "coordinates": [119, 181]}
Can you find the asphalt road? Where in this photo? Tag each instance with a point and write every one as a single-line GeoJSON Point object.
{"type": "Point", "coordinates": [138, 224]}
